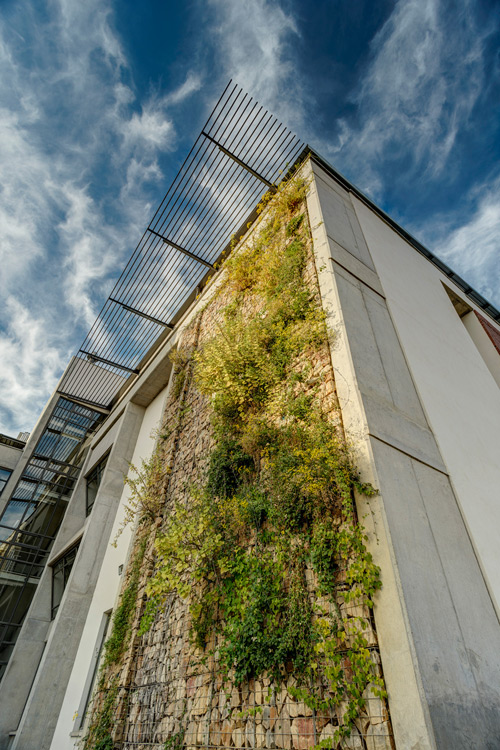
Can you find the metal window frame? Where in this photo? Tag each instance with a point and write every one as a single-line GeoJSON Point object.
{"type": "Point", "coordinates": [62, 560]}
{"type": "Point", "coordinates": [3, 482]}
{"type": "Point", "coordinates": [92, 673]}
{"type": "Point", "coordinates": [97, 469]}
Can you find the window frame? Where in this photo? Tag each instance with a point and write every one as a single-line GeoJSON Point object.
{"type": "Point", "coordinates": [92, 673]}
{"type": "Point", "coordinates": [3, 482]}
{"type": "Point", "coordinates": [97, 470]}
{"type": "Point", "coordinates": [73, 550]}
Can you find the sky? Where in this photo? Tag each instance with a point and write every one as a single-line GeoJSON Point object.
{"type": "Point", "coordinates": [100, 102]}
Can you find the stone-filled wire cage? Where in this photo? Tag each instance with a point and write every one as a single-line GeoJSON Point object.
{"type": "Point", "coordinates": [180, 702]}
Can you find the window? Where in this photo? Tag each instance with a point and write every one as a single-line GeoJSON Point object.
{"type": "Point", "coordinates": [60, 574]}
{"type": "Point", "coordinates": [92, 674]}
{"type": "Point", "coordinates": [93, 482]}
{"type": "Point", "coordinates": [4, 476]}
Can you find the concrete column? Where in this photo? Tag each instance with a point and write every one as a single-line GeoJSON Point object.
{"type": "Point", "coordinates": [438, 632]}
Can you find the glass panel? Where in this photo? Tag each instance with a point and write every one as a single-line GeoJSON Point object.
{"type": "Point", "coordinates": [15, 600]}
{"type": "Point", "coordinates": [20, 560]}
{"type": "Point", "coordinates": [12, 517]}
{"type": "Point", "coordinates": [95, 668]}
{"type": "Point", "coordinates": [4, 475]}
{"type": "Point", "coordinates": [92, 487]}
{"type": "Point", "coordinates": [33, 516]}
{"type": "Point", "coordinates": [45, 518]}
{"type": "Point", "coordinates": [93, 483]}
{"type": "Point", "coordinates": [60, 576]}
{"type": "Point", "coordinates": [58, 586]}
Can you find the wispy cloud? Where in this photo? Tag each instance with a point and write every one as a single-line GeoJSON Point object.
{"type": "Point", "coordinates": [31, 363]}
{"type": "Point", "coordinates": [82, 152]}
{"type": "Point", "coordinates": [421, 83]}
{"type": "Point", "coordinates": [254, 42]}
{"type": "Point", "coordinates": [78, 155]}
{"type": "Point", "coordinates": [473, 247]}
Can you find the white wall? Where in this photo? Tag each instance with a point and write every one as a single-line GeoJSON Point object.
{"type": "Point", "coordinates": [458, 392]}
{"type": "Point", "coordinates": [107, 588]}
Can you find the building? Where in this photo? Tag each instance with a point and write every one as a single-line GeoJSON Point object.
{"type": "Point", "coordinates": [416, 370]}
{"type": "Point", "coordinates": [11, 450]}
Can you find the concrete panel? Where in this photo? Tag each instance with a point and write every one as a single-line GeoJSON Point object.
{"type": "Point", "coordinates": [484, 344]}
{"type": "Point", "coordinates": [436, 587]}
{"type": "Point", "coordinates": [459, 393]}
{"type": "Point", "coordinates": [25, 660]}
{"type": "Point", "coordinates": [358, 269]}
{"type": "Point", "coordinates": [9, 456]}
{"type": "Point", "coordinates": [409, 714]}
{"type": "Point", "coordinates": [75, 518]}
{"type": "Point", "coordinates": [104, 594]}
{"type": "Point", "coordinates": [453, 622]}
{"type": "Point", "coordinates": [340, 219]}
{"type": "Point", "coordinates": [390, 401]}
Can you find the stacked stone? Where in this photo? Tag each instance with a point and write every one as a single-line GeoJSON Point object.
{"type": "Point", "coordinates": [177, 697]}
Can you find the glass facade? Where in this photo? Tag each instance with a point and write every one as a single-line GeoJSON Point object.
{"type": "Point", "coordinates": [60, 575]}
{"type": "Point", "coordinates": [4, 476]}
{"type": "Point", "coordinates": [93, 483]}
{"type": "Point", "coordinates": [32, 517]}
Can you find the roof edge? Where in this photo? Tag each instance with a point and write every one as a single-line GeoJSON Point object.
{"type": "Point", "coordinates": [471, 293]}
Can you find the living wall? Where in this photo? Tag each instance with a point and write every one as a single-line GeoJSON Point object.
{"type": "Point", "coordinates": [265, 548]}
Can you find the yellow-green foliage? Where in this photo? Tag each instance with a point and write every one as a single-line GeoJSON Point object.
{"type": "Point", "coordinates": [180, 358]}
{"type": "Point", "coordinates": [99, 732]}
{"type": "Point", "coordinates": [277, 499]}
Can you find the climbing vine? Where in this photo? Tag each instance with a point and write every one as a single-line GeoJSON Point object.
{"type": "Point", "coordinates": [274, 518]}
{"type": "Point", "coordinates": [103, 716]}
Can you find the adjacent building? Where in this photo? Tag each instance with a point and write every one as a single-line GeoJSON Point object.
{"type": "Point", "coordinates": [416, 362]}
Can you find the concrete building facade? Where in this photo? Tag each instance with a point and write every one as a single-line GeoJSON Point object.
{"type": "Point", "coordinates": [416, 361]}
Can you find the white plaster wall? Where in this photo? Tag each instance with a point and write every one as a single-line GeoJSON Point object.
{"type": "Point", "coordinates": [459, 394]}
{"type": "Point", "coordinates": [483, 343]}
{"type": "Point", "coordinates": [106, 590]}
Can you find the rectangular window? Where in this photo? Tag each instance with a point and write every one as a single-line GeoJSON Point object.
{"type": "Point", "coordinates": [60, 574]}
{"type": "Point", "coordinates": [92, 674]}
{"type": "Point", "coordinates": [4, 476]}
{"type": "Point", "coordinates": [93, 482]}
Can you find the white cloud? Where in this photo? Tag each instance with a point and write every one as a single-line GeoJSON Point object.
{"type": "Point", "coordinates": [473, 248]}
{"type": "Point", "coordinates": [91, 256]}
{"type": "Point", "coordinates": [150, 129]}
{"type": "Point", "coordinates": [421, 82]}
{"type": "Point", "coordinates": [191, 85]}
{"type": "Point", "coordinates": [70, 122]}
{"type": "Point", "coordinates": [31, 362]}
{"type": "Point", "coordinates": [253, 39]}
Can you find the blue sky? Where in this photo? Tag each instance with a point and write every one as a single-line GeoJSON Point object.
{"type": "Point", "coordinates": [100, 102]}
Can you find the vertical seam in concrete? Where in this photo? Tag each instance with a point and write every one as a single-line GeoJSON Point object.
{"type": "Point", "coordinates": [445, 577]}
{"type": "Point", "coordinates": [423, 732]}
{"type": "Point", "coordinates": [496, 607]}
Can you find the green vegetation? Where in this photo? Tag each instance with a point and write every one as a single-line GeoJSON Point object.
{"type": "Point", "coordinates": [123, 615]}
{"type": "Point", "coordinates": [276, 506]}
{"type": "Point", "coordinates": [267, 551]}
{"type": "Point", "coordinates": [99, 735]}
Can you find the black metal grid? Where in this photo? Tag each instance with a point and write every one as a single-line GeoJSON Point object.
{"type": "Point", "coordinates": [177, 700]}
{"type": "Point", "coordinates": [240, 154]}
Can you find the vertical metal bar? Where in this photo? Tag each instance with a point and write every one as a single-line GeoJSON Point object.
{"type": "Point", "coordinates": [238, 161]}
